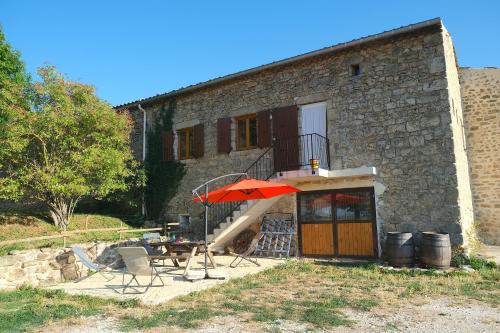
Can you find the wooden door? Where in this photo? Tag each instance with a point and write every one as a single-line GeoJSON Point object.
{"type": "Point", "coordinates": [316, 224]}
{"type": "Point", "coordinates": [286, 138]}
{"type": "Point", "coordinates": [355, 223]}
{"type": "Point", "coordinates": [337, 223]}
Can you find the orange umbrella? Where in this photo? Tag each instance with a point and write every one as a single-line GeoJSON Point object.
{"type": "Point", "coordinates": [247, 189]}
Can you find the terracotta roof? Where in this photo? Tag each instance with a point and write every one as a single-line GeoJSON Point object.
{"type": "Point", "coordinates": [355, 42]}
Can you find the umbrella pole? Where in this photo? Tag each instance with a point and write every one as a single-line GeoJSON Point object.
{"type": "Point", "coordinates": [205, 203]}
{"type": "Point", "coordinates": [206, 229]}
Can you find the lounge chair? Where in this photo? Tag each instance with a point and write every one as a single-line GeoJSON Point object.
{"type": "Point", "coordinates": [246, 255]}
{"type": "Point", "coordinates": [138, 263]}
{"type": "Point", "coordinates": [87, 262]}
{"type": "Point", "coordinates": [154, 236]}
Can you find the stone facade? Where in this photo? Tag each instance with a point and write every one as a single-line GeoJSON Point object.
{"type": "Point", "coordinates": [47, 266]}
{"type": "Point", "coordinates": [480, 89]}
{"type": "Point", "coordinates": [402, 115]}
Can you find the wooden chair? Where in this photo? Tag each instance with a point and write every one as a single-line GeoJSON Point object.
{"type": "Point", "coordinates": [246, 255]}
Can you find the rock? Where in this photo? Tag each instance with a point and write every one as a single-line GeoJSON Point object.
{"type": "Point", "coordinates": [69, 272]}
{"type": "Point", "coordinates": [16, 274]}
{"type": "Point", "coordinates": [44, 256]}
{"type": "Point", "coordinates": [55, 265]}
{"type": "Point", "coordinates": [8, 260]}
{"type": "Point", "coordinates": [46, 249]}
{"type": "Point", "coordinates": [30, 264]}
{"type": "Point", "coordinates": [467, 268]}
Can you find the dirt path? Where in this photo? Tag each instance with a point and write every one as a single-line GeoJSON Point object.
{"type": "Point", "coordinates": [431, 316]}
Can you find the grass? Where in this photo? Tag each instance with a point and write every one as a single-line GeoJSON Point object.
{"type": "Point", "coordinates": [298, 291]}
{"type": "Point", "coordinates": [314, 294]}
{"type": "Point", "coordinates": [14, 226]}
{"type": "Point", "coordinates": [27, 307]}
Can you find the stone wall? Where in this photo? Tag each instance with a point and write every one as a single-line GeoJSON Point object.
{"type": "Point", "coordinates": [395, 116]}
{"type": "Point", "coordinates": [47, 266]}
{"type": "Point", "coordinates": [463, 223]}
{"type": "Point", "coordinates": [480, 89]}
{"type": "Point", "coordinates": [137, 118]}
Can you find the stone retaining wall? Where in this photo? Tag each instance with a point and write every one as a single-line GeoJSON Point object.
{"type": "Point", "coordinates": [48, 266]}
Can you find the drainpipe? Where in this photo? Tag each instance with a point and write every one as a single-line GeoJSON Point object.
{"type": "Point", "coordinates": [143, 208]}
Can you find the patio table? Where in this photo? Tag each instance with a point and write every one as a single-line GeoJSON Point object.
{"type": "Point", "coordinates": [181, 250]}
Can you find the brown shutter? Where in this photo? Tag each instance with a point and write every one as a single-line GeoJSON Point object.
{"type": "Point", "coordinates": [263, 129]}
{"type": "Point", "coordinates": [198, 141]}
{"type": "Point", "coordinates": [223, 135]}
{"type": "Point", "coordinates": [286, 134]}
{"type": "Point", "coordinates": [168, 146]}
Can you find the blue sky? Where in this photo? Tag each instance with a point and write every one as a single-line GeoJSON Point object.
{"type": "Point", "coordinates": [134, 49]}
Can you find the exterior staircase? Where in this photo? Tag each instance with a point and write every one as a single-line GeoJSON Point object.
{"type": "Point", "coordinates": [241, 210]}
{"type": "Point", "coordinates": [227, 219]}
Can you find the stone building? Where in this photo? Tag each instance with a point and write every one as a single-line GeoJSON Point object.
{"type": "Point", "coordinates": [480, 88]}
{"type": "Point", "coordinates": [371, 131]}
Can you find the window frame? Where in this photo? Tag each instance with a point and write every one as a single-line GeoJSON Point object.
{"type": "Point", "coordinates": [356, 70]}
{"type": "Point", "coordinates": [186, 132]}
{"type": "Point", "coordinates": [247, 119]}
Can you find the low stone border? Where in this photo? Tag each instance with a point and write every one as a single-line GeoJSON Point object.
{"type": "Point", "coordinates": [49, 266]}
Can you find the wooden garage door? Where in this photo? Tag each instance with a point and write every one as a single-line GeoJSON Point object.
{"type": "Point", "coordinates": [354, 223]}
{"type": "Point", "coordinates": [316, 224]}
{"type": "Point", "coordinates": [337, 223]}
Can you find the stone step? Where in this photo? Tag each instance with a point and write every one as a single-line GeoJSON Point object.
{"type": "Point", "coordinates": [236, 214]}
{"type": "Point", "coordinates": [217, 231]}
{"type": "Point", "coordinates": [224, 225]}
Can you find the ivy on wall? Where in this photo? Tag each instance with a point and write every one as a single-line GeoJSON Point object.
{"type": "Point", "coordinates": [163, 177]}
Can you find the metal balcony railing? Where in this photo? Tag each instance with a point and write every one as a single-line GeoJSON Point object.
{"type": "Point", "coordinates": [306, 151]}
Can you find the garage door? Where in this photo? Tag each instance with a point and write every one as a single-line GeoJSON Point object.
{"type": "Point", "coordinates": [337, 223]}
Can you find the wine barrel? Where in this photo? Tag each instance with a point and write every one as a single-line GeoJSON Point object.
{"type": "Point", "coordinates": [399, 249]}
{"type": "Point", "coordinates": [435, 250]}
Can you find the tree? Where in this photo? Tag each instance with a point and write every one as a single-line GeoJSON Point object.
{"type": "Point", "coordinates": [11, 67]}
{"type": "Point", "coordinates": [14, 88]}
{"type": "Point", "coordinates": [67, 145]}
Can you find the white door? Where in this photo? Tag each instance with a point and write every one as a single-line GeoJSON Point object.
{"type": "Point", "coordinates": [313, 131]}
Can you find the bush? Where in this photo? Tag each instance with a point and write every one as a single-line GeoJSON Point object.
{"type": "Point", "coordinates": [477, 263]}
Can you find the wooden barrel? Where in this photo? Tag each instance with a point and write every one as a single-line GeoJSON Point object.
{"type": "Point", "coordinates": [399, 249]}
{"type": "Point", "coordinates": [435, 250]}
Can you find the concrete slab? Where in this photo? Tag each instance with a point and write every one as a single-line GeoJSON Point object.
{"type": "Point", "coordinates": [175, 284]}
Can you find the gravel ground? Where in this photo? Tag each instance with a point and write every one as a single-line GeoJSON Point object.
{"type": "Point", "coordinates": [431, 316]}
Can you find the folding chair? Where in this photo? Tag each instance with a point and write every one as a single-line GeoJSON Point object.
{"type": "Point", "coordinates": [246, 255]}
{"type": "Point", "coordinates": [87, 262]}
{"type": "Point", "coordinates": [138, 264]}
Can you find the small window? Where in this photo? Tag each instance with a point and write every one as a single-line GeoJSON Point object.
{"type": "Point", "coordinates": [355, 70]}
{"type": "Point", "coordinates": [246, 137]}
{"type": "Point", "coordinates": [185, 146]}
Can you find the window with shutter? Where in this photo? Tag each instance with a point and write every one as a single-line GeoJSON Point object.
{"type": "Point", "coordinates": [246, 132]}
{"type": "Point", "coordinates": [168, 146]}
{"type": "Point", "coordinates": [264, 129]}
{"type": "Point", "coordinates": [185, 143]}
{"type": "Point", "coordinates": [198, 141]}
{"type": "Point", "coordinates": [223, 135]}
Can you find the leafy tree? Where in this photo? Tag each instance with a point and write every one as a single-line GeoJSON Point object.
{"type": "Point", "coordinates": [14, 87]}
{"type": "Point", "coordinates": [67, 145]}
{"type": "Point", "coordinates": [11, 67]}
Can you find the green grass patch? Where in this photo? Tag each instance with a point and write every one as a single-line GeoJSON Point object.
{"type": "Point", "coordinates": [184, 318]}
{"type": "Point", "coordinates": [299, 291]}
{"type": "Point", "coordinates": [28, 307]}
